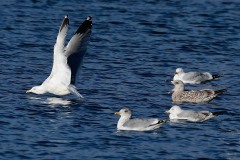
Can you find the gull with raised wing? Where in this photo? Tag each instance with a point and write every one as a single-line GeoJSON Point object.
{"type": "Point", "coordinates": [179, 94]}
{"type": "Point", "coordinates": [176, 113]}
{"type": "Point", "coordinates": [66, 60]}
{"type": "Point", "coordinates": [193, 77]}
{"type": "Point", "coordinates": [127, 123]}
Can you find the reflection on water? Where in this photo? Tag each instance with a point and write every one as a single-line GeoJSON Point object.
{"type": "Point", "coordinates": [135, 48]}
{"type": "Point", "coordinates": [57, 101]}
{"type": "Point", "coordinates": [52, 101]}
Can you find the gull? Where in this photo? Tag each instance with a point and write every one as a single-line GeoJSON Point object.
{"type": "Point", "coordinates": [126, 123]}
{"type": "Point", "coordinates": [66, 60]}
{"type": "Point", "coordinates": [178, 114]}
{"type": "Point", "coordinates": [195, 96]}
{"type": "Point", "coordinates": [193, 77]}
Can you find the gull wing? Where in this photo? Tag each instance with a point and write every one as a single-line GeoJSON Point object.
{"type": "Point", "coordinates": [138, 123]}
{"type": "Point", "coordinates": [190, 116]}
{"type": "Point", "coordinates": [196, 77]}
{"type": "Point", "coordinates": [58, 58]}
{"type": "Point", "coordinates": [197, 94]}
{"type": "Point", "coordinates": [59, 45]}
{"type": "Point", "coordinates": [77, 47]}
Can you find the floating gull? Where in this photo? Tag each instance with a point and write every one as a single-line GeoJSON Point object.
{"type": "Point", "coordinates": [193, 77]}
{"type": "Point", "coordinates": [194, 96]}
{"type": "Point", "coordinates": [66, 60]}
{"type": "Point", "coordinates": [126, 123]}
{"type": "Point", "coordinates": [178, 114]}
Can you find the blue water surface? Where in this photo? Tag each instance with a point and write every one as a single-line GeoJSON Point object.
{"type": "Point", "coordinates": [135, 48]}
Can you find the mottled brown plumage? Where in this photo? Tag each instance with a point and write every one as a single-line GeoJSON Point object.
{"type": "Point", "coordinates": [195, 96]}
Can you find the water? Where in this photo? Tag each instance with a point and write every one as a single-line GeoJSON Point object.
{"type": "Point", "coordinates": [135, 47]}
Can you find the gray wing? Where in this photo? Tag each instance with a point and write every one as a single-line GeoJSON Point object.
{"type": "Point", "coordinates": [197, 76]}
{"type": "Point", "coordinates": [193, 116]}
{"type": "Point", "coordinates": [141, 123]}
{"type": "Point", "coordinates": [77, 47]}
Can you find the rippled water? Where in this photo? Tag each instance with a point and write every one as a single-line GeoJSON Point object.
{"type": "Point", "coordinates": [135, 47]}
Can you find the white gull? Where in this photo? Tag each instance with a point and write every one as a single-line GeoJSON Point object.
{"type": "Point", "coordinates": [178, 114]}
{"type": "Point", "coordinates": [136, 124]}
{"type": "Point", "coordinates": [66, 60]}
{"type": "Point", "coordinates": [193, 77]}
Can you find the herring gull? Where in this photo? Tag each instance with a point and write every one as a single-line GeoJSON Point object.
{"type": "Point", "coordinates": [193, 77]}
{"type": "Point", "coordinates": [178, 114]}
{"type": "Point", "coordinates": [179, 95]}
{"type": "Point", "coordinates": [66, 60]}
{"type": "Point", "coordinates": [126, 123]}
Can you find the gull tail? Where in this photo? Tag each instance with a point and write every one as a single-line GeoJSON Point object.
{"type": "Point", "coordinates": [73, 90]}
{"type": "Point", "coordinates": [218, 113]}
{"type": "Point", "coordinates": [215, 76]}
{"type": "Point", "coordinates": [218, 92]}
{"type": "Point", "coordinates": [160, 122]}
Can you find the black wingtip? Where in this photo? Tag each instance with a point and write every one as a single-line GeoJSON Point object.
{"type": "Point", "coordinates": [85, 26]}
{"type": "Point", "coordinates": [89, 18]}
{"type": "Point", "coordinates": [65, 22]}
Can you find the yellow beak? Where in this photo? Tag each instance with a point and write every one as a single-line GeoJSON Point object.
{"type": "Point", "coordinates": [29, 91]}
{"type": "Point", "coordinates": [117, 113]}
{"type": "Point", "coordinates": [168, 112]}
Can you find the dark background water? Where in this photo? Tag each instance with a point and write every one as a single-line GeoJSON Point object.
{"type": "Point", "coordinates": [135, 47]}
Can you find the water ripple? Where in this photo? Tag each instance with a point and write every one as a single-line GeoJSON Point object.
{"type": "Point", "coordinates": [135, 48]}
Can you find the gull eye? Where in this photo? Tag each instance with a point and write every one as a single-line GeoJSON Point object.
{"type": "Point", "coordinates": [126, 111]}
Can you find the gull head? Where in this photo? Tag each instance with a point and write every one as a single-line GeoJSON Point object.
{"type": "Point", "coordinates": [178, 74]}
{"type": "Point", "coordinates": [125, 112]}
{"type": "Point", "coordinates": [37, 90]}
{"type": "Point", "coordinates": [179, 86]}
{"type": "Point", "coordinates": [179, 71]}
{"type": "Point", "coordinates": [174, 110]}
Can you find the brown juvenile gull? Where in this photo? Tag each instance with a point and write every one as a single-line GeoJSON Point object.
{"type": "Point", "coordinates": [195, 96]}
{"type": "Point", "coordinates": [66, 60]}
{"type": "Point", "coordinates": [193, 77]}
{"type": "Point", "coordinates": [178, 114]}
{"type": "Point", "coordinates": [126, 123]}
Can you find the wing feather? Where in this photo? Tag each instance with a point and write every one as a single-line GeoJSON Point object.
{"type": "Point", "coordinates": [58, 57]}
{"type": "Point", "coordinates": [77, 47]}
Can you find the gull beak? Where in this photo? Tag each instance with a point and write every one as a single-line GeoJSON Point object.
{"type": "Point", "coordinates": [172, 82]}
{"type": "Point", "coordinates": [117, 113]}
{"type": "Point", "coordinates": [29, 91]}
{"type": "Point", "coordinates": [167, 112]}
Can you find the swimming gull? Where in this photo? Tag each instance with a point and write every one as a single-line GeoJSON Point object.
{"type": "Point", "coordinates": [195, 96]}
{"type": "Point", "coordinates": [126, 123]}
{"type": "Point", "coordinates": [193, 77]}
{"type": "Point", "coordinates": [178, 114]}
{"type": "Point", "coordinates": [66, 61]}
